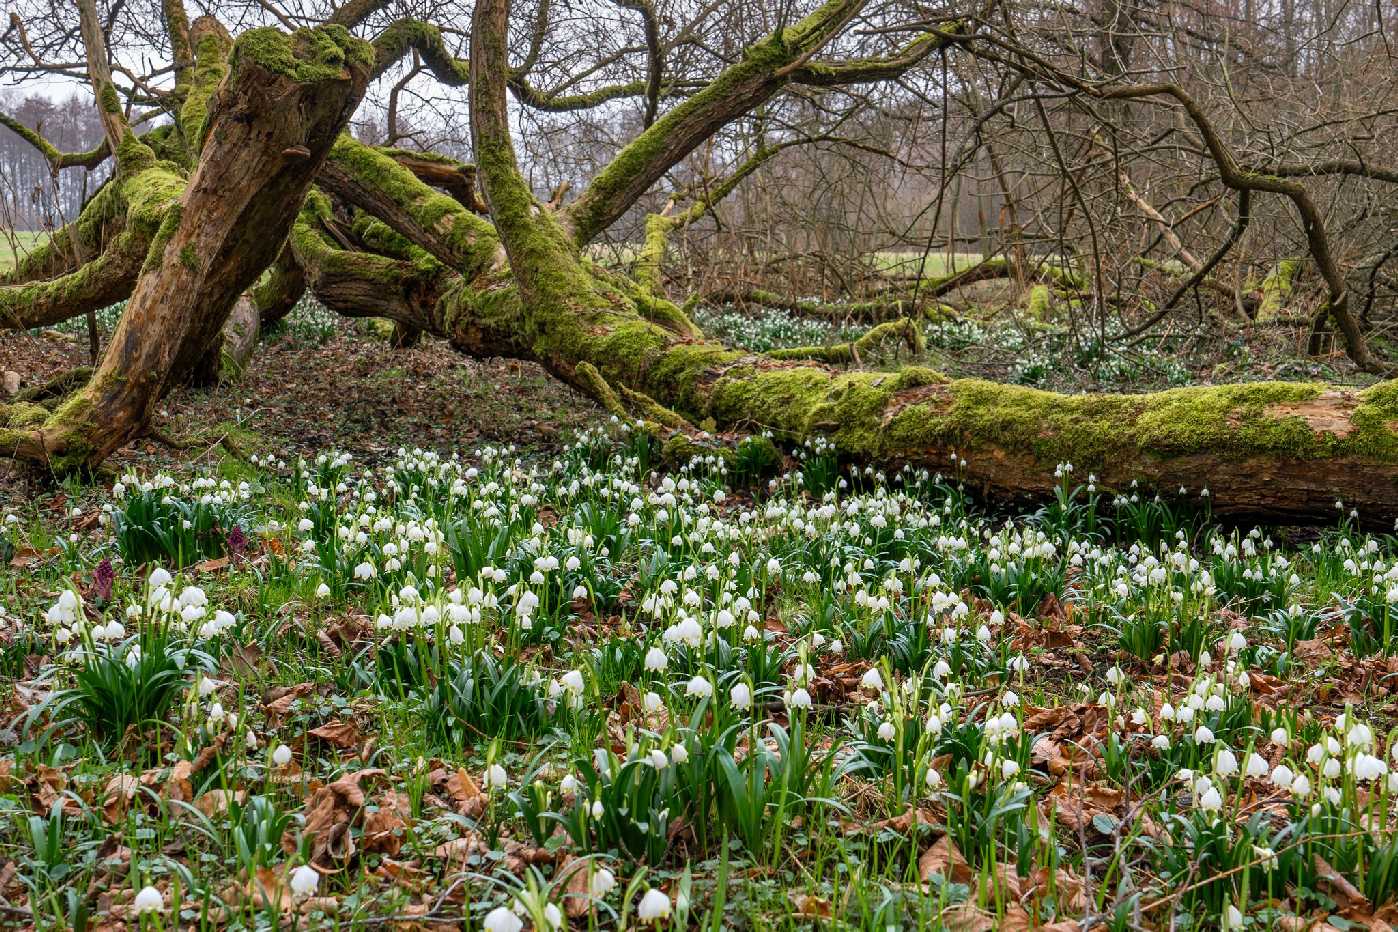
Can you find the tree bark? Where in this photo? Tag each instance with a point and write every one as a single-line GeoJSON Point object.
{"type": "Point", "coordinates": [270, 126]}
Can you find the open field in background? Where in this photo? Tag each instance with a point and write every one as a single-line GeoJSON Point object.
{"type": "Point", "coordinates": [17, 244]}
{"type": "Point", "coordinates": [937, 263]}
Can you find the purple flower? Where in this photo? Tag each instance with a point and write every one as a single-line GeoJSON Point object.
{"type": "Point", "coordinates": [237, 541]}
{"type": "Point", "coordinates": [102, 579]}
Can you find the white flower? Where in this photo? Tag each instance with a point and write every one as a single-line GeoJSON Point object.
{"type": "Point", "coordinates": [1257, 766]}
{"type": "Point", "coordinates": [700, 687]}
{"type": "Point", "coordinates": [1367, 767]}
{"type": "Point", "coordinates": [495, 777]}
{"type": "Point", "coordinates": [1008, 769]}
{"type": "Point", "coordinates": [741, 696]}
{"type": "Point", "coordinates": [1211, 801]}
{"type": "Point", "coordinates": [1203, 735]}
{"type": "Point", "coordinates": [654, 906]}
{"type": "Point", "coordinates": [887, 732]}
{"type": "Point", "coordinates": [603, 882]}
{"type": "Point", "coordinates": [553, 916]}
{"type": "Point", "coordinates": [799, 699]}
{"type": "Point", "coordinates": [322, 591]}
{"type": "Point", "coordinates": [1226, 764]}
{"type": "Point", "coordinates": [149, 900]}
{"type": "Point", "coordinates": [934, 779]}
{"type": "Point", "coordinates": [1282, 777]}
{"type": "Point", "coordinates": [501, 919]}
{"type": "Point", "coordinates": [872, 679]}
{"type": "Point", "coordinates": [281, 756]}
{"type": "Point", "coordinates": [679, 754]}
{"type": "Point", "coordinates": [656, 659]}
{"type": "Point", "coordinates": [1360, 736]}
{"type": "Point", "coordinates": [304, 880]}
{"type": "Point", "coordinates": [1280, 737]}
{"type": "Point", "coordinates": [158, 577]}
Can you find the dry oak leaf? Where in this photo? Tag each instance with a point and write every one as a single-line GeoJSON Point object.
{"type": "Point", "coordinates": [1052, 755]}
{"type": "Point", "coordinates": [278, 701]}
{"type": "Point", "coordinates": [116, 799]}
{"type": "Point", "coordinates": [899, 823]}
{"type": "Point", "coordinates": [459, 849]}
{"type": "Point", "coordinates": [384, 827]}
{"type": "Point", "coordinates": [47, 786]}
{"type": "Point", "coordinates": [576, 876]}
{"type": "Point", "coordinates": [215, 802]}
{"type": "Point", "coordinates": [212, 565]}
{"type": "Point", "coordinates": [331, 813]}
{"type": "Point", "coordinates": [945, 859]}
{"type": "Point", "coordinates": [1076, 804]}
{"type": "Point", "coordinates": [1346, 895]}
{"type": "Point", "coordinates": [343, 735]}
{"type": "Point", "coordinates": [811, 907]}
{"type": "Point", "coordinates": [965, 917]}
{"type": "Point", "coordinates": [465, 794]}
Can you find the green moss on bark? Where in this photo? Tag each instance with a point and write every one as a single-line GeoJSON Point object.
{"type": "Point", "coordinates": [306, 56]}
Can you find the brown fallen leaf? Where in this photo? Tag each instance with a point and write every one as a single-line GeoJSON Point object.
{"type": "Point", "coordinates": [899, 823]}
{"type": "Point", "coordinates": [1076, 804]}
{"type": "Point", "coordinates": [466, 794]}
{"type": "Point", "coordinates": [385, 826]}
{"type": "Point", "coordinates": [277, 703]}
{"type": "Point", "coordinates": [964, 917]}
{"type": "Point", "coordinates": [120, 790]}
{"type": "Point", "coordinates": [576, 876]}
{"type": "Point", "coordinates": [49, 785]}
{"type": "Point", "coordinates": [215, 802]}
{"type": "Point", "coordinates": [946, 860]}
{"type": "Point", "coordinates": [1346, 895]}
{"type": "Point", "coordinates": [343, 735]}
{"type": "Point", "coordinates": [331, 812]}
{"type": "Point", "coordinates": [811, 907]}
{"type": "Point", "coordinates": [459, 849]}
{"type": "Point", "coordinates": [172, 783]}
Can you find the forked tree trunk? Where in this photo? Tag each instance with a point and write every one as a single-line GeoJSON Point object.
{"type": "Point", "coordinates": [271, 123]}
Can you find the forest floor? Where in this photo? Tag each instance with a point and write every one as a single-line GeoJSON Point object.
{"type": "Point", "coordinates": [530, 673]}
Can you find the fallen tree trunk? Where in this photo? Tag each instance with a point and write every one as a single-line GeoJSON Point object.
{"type": "Point", "coordinates": [1279, 451]}
{"type": "Point", "coordinates": [918, 299]}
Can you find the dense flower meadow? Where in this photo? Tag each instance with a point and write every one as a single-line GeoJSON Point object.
{"type": "Point", "coordinates": [599, 690]}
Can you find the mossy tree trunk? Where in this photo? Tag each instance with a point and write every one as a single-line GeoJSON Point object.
{"type": "Point", "coordinates": [269, 126]}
